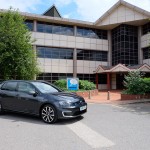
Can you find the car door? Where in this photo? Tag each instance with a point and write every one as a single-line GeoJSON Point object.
{"type": "Point", "coordinates": [8, 95]}
{"type": "Point", "coordinates": [28, 103]}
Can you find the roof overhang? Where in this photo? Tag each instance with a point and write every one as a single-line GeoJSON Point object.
{"type": "Point", "coordinates": [120, 68]}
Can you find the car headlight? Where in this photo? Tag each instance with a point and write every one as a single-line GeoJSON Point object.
{"type": "Point", "coordinates": [66, 104]}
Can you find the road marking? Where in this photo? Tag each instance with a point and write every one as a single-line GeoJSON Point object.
{"type": "Point", "coordinates": [89, 136]}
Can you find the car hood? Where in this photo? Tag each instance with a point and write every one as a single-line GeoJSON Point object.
{"type": "Point", "coordinates": [67, 96]}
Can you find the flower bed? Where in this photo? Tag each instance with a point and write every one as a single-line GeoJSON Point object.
{"type": "Point", "coordinates": [134, 97]}
{"type": "Point", "coordinates": [88, 93]}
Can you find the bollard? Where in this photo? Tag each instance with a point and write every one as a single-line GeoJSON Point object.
{"type": "Point", "coordinates": [108, 95]}
{"type": "Point", "coordinates": [89, 94]}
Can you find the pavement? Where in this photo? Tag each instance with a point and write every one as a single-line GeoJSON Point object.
{"type": "Point", "coordinates": [105, 126]}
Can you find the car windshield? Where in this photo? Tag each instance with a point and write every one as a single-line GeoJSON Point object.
{"type": "Point", "coordinates": [45, 88]}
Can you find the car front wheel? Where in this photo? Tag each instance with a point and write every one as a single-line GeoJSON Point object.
{"type": "Point", "coordinates": [49, 114]}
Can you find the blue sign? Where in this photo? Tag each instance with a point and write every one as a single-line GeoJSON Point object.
{"type": "Point", "coordinates": [72, 83]}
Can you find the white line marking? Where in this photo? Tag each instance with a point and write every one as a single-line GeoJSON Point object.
{"type": "Point", "coordinates": [89, 136]}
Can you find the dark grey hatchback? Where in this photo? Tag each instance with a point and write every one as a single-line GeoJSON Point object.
{"type": "Point", "coordinates": [40, 98]}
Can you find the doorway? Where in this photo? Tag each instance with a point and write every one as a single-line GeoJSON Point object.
{"type": "Point", "coordinates": [119, 81]}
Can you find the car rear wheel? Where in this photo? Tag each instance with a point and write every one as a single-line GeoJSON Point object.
{"type": "Point", "coordinates": [49, 114]}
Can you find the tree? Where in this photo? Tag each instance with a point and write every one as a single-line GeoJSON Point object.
{"type": "Point", "coordinates": [17, 57]}
{"type": "Point", "coordinates": [134, 83]}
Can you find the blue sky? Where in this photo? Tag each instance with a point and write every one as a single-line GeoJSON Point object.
{"type": "Point", "coordinates": [86, 10]}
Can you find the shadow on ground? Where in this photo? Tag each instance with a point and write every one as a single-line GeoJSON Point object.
{"type": "Point", "coordinates": [15, 117]}
{"type": "Point", "coordinates": [140, 108]}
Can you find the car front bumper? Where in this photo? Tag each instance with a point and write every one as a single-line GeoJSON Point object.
{"type": "Point", "coordinates": [64, 113]}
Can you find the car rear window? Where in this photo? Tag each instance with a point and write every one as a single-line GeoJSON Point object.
{"type": "Point", "coordinates": [9, 86]}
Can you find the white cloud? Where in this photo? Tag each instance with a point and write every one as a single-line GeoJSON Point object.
{"type": "Point", "coordinates": [22, 5]}
{"type": "Point", "coordinates": [89, 10]}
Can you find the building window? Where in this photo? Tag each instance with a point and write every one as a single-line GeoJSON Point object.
{"type": "Point", "coordinates": [55, 28]}
{"type": "Point", "coordinates": [54, 53]}
{"type": "Point", "coordinates": [52, 77]}
{"type": "Point", "coordinates": [91, 33]}
{"type": "Point", "coordinates": [146, 53]}
{"type": "Point", "coordinates": [89, 77]}
{"type": "Point", "coordinates": [29, 24]}
{"type": "Point", "coordinates": [91, 55]}
{"type": "Point", "coordinates": [125, 45]}
{"type": "Point", "coordinates": [146, 28]}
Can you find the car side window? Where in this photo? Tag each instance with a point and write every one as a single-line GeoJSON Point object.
{"type": "Point", "coordinates": [9, 86]}
{"type": "Point", "coordinates": [25, 87]}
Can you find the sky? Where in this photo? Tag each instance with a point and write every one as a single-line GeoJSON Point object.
{"type": "Point", "coordinates": [86, 10]}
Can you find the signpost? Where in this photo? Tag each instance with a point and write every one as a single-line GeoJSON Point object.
{"type": "Point", "coordinates": [73, 84]}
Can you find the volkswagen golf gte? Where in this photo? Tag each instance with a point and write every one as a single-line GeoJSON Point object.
{"type": "Point", "coordinates": [40, 98]}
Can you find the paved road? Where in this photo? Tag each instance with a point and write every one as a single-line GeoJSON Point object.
{"type": "Point", "coordinates": [104, 127]}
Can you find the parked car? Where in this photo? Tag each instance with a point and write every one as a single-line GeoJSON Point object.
{"type": "Point", "coordinates": [40, 98]}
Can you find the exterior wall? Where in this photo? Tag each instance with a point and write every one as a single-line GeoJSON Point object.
{"type": "Point", "coordinates": [55, 65]}
{"type": "Point", "coordinates": [102, 86]}
{"type": "Point", "coordinates": [122, 14]}
{"type": "Point", "coordinates": [147, 61]}
{"type": "Point", "coordinates": [145, 40]}
{"type": "Point", "coordinates": [87, 67]}
{"type": "Point", "coordinates": [45, 39]}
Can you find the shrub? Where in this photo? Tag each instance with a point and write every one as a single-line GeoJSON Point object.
{"type": "Point", "coordinates": [83, 84]}
{"type": "Point", "coordinates": [62, 84]}
{"type": "Point", "coordinates": [146, 82]}
{"type": "Point", "coordinates": [86, 85]}
{"type": "Point", "coordinates": [134, 83]}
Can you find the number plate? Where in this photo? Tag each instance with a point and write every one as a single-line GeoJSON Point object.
{"type": "Point", "coordinates": [82, 108]}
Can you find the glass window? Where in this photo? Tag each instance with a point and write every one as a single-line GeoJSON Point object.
{"type": "Point", "coordinates": [25, 87]}
{"type": "Point", "coordinates": [40, 27]}
{"type": "Point", "coordinates": [91, 33]}
{"type": "Point", "coordinates": [146, 28]}
{"type": "Point", "coordinates": [52, 77]}
{"type": "Point", "coordinates": [146, 53]}
{"type": "Point", "coordinates": [54, 53]}
{"type": "Point", "coordinates": [89, 77]}
{"type": "Point", "coordinates": [45, 88]}
{"type": "Point", "coordinates": [125, 45]}
{"type": "Point", "coordinates": [48, 28]}
{"type": "Point", "coordinates": [92, 55]}
{"type": "Point", "coordinates": [29, 24]}
{"type": "Point", "coordinates": [55, 28]}
{"type": "Point", "coordinates": [9, 86]}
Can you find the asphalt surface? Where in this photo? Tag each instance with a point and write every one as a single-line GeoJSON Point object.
{"type": "Point", "coordinates": [104, 127]}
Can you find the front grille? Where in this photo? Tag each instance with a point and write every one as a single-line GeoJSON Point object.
{"type": "Point", "coordinates": [79, 113]}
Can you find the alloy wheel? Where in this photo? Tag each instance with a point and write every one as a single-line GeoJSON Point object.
{"type": "Point", "coordinates": [48, 114]}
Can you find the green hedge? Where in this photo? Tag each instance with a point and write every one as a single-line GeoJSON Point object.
{"type": "Point", "coordinates": [146, 87]}
{"type": "Point", "coordinates": [83, 84]}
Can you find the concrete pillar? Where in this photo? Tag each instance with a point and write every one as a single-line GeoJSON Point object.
{"type": "Point", "coordinates": [109, 48]}
{"type": "Point", "coordinates": [75, 30]}
{"type": "Point", "coordinates": [34, 25]}
{"type": "Point", "coordinates": [75, 63]}
{"type": "Point", "coordinates": [140, 52]}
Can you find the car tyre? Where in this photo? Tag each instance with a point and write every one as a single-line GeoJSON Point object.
{"type": "Point", "coordinates": [49, 114]}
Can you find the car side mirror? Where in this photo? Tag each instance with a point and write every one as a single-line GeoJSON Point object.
{"type": "Point", "coordinates": [34, 93]}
